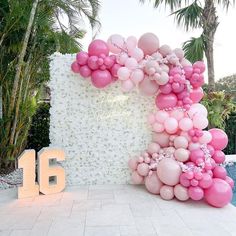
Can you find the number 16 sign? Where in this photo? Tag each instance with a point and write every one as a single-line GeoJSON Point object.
{"type": "Point", "coordinates": [45, 171]}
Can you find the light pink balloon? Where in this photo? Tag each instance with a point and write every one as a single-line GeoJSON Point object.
{"type": "Point", "coordinates": [149, 43]}
{"type": "Point", "coordinates": [177, 114]}
{"type": "Point", "coordinates": [169, 171]}
{"type": "Point", "coordinates": [219, 194]}
{"type": "Point", "coordinates": [171, 125]}
{"type": "Point", "coordinates": [133, 163]}
{"type": "Point", "coordinates": [163, 79]}
{"type": "Point", "coordinates": [165, 50]}
{"type": "Point", "coordinates": [143, 169]}
{"type": "Point", "coordinates": [75, 67]}
{"type": "Point", "coordinates": [197, 108]}
{"type": "Point", "coordinates": [131, 43]}
{"type": "Point", "coordinates": [161, 138]}
{"type": "Point", "coordinates": [164, 101]}
{"type": "Point", "coordinates": [158, 127]}
{"type": "Point", "coordinates": [85, 71]}
{"type": "Point", "coordinates": [148, 87]}
{"type": "Point", "coordinates": [181, 154]}
{"type": "Point", "coordinates": [137, 53]}
{"type": "Point", "coordinates": [162, 116]}
{"type": "Point", "coordinates": [116, 43]}
{"type": "Point", "coordinates": [123, 73]}
{"type": "Point", "coordinates": [181, 142]}
{"type": "Point", "coordinates": [98, 47]}
{"type": "Point", "coordinates": [137, 76]}
{"type": "Point", "coordinates": [181, 193]}
{"type": "Point", "coordinates": [127, 85]}
{"type": "Point", "coordinates": [153, 183]}
{"type": "Point", "coordinates": [185, 134]}
{"type": "Point", "coordinates": [219, 139]}
{"type": "Point", "coordinates": [205, 138]}
{"type": "Point", "coordinates": [131, 63]}
{"type": "Point", "coordinates": [101, 78]}
{"type": "Point", "coordinates": [200, 122]}
{"type": "Point", "coordinates": [167, 192]}
{"type": "Point", "coordinates": [136, 178]}
{"type": "Point", "coordinates": [185, 124]}
{"type": "Point", "coordinates": [193, 146]}
{"type": "Point", "coordinates": [195, 193]}
{"type": "Point", "coordinates": [153, 147]}
{"type": "Point", "coordinates": [196, 95]}
{"type": "Point", "coordinates": [121, 58]}
{"type": "Point", "coordinates": [179, 53]}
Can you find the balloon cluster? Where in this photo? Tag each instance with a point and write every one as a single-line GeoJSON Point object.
{"type": "Point", "coordinates": [183, 160]}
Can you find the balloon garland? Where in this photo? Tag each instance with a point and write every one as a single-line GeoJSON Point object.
{"type": "Point", "coordinates": [184, 160]}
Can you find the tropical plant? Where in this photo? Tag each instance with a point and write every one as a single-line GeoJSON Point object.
{"type": "Point", "coordinates": [220, 106]}
{"type": "Point", "coordinates": [197, 14]}
{"type": "Point", "coordinates": [30, 31]}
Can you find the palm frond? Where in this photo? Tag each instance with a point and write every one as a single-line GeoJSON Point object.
{"type": "Point", "coordinates": [190, 16]}
{"type": "Point", "coordinates": [194, 49]}
{"type": "Point", "coordinates": [226, 3]}
{"type": "Point", "coordinates": [173, 4]}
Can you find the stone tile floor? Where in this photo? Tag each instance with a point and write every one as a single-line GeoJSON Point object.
{"type": "Point", "coordinates": [111, 210]}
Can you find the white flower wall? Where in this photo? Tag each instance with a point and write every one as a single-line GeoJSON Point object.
{"type": "Point", "coordinates": [99, 130]}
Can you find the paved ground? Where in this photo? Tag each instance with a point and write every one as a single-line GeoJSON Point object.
{"type": "Point", "coordinates": [111, 210]}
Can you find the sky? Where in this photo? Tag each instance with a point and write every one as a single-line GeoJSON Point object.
{"type": "Point", "coordinates": [129, 17]}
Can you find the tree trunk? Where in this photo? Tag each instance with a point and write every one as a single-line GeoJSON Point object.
{"type": "Point", "coordinates": [20, 65]}
{"type": "Point", "coordinates": [210, 24]}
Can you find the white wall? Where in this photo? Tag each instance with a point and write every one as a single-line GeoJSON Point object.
{"type": "Point", "coordinates": [98, 129]}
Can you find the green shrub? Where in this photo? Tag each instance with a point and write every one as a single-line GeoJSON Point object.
{"type": "Point", "coordinates": [230, 129]}
{"type": "Point", "coordinates": [38, 136]}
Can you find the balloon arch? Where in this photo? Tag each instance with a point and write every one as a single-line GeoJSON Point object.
{"type": "Point", "coordinates": [183, 160]}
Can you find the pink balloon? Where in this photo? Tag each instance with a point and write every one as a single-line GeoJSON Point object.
{"type": "Point", "coordinates": [153, 147]}
{"type": "Point", "coordinates": [121, 58]}
{"type": "Point", "coordinates": [92, 62]}
{"type": "Point", "coordinates": [143, 169]}
{"type": "Point", "coordinates": [85, 71]}
{"type": "Point", "coordinates": [153, 183]}
{"type": "Point", "coordinates": [184, 181]}
{"type": "Point", "coordinates": [197, 109]}
{"type": "Point", "coordinates": [195, 193]}
{"type": "Point", "coordinates": [109, 62]}
{"type": "Point", "coordinates": [149, 43]}
{"type": "Point", "coordinates": [181, 142]}
{"type": "Point", "coordinates": [219, 194]}
{"type": "Point", "coordinates": [206, 181]}
{"type": "Point", "coordinates": [137, 53]}
{"type": "Point", "coordinates": [181, 193]}
{"type": "Point", "coordinates": [82, 58]}
{"type": "Point", "coordinates": [115, 69]}
{"type": "Point", "coordinates": [167, 192]}
{"type": "Point", "coordinates": [177, 114]}
{"type": "Point", "coordinates": [116, 43]}
{"type": "Point", "coordinates": [210, 149]}
{"type": "Point", "coordinates": [229, 181]}
{"type": "Point", "coordinates": [171, 125]}
{"type": "Point", "coordinates": [185, 124]}
{"type": "Point", "coordinates": [158, 127]}
{"type": "Point", "coordinates": [219, 139]}
{"type": "Point", "coordinates": [101, 78]}
{"type": "Point", "coordinates": [123, 73]}
{"type": "Point", "coordinates": [219, 172]}
{"type": "Point", "coordinates": [163, 78]}
{"type": "Point", "coordinates": [98, 47]}
{"type": "Point", "coordinates": [167, 166]}
{"type": "Point", "coordinates": [136, 178]}
{"type": "Point", "coordinates": [196, 95]}
{"type": "Point", "coordinates": [133, 164]}
{"type": "Point", "coordinates": [131, 43]}
{"type": "Point", "coordinates": [164, 101]}
{"type": "Point", "coordinates": [165, 50]}
{"type": "Point", "coordinates": [179, 53]}
{"type": "Point", "coordinates": [181, 154]}
{"type": "Point", "coordinates": [137, 76]}
{"type": "Point", "coordinates": [205, 138]}
{"type": "Point", "coordinates": [219, 157]}
{"type": "Point", "coordinates": [193, 146]}
{"type": "Point", "coordinates": [161, 138]}
{"type": "Point", "coordinates": [75, 67]}
{"type": "Point", "coordinates": [199, 65]}
{"type": "Point", "coordinates": [166, 89]}
{"type": "Point", "coordinates": [131, 63]}
{"type": "Point", "coordinates": [148, 87]}
{"type": "Point", "coordinates": [200, 122]}
{"type": "Point", "coordinates": [195, 154]}
{"type": "Point", "coordinates": [127, 85]}
{"type": "Point", "coordinates": [161, 116]}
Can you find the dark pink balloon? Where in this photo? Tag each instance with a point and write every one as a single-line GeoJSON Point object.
{"type": "Point", "coordinates": [109, 62]}
{"type": "Point", "coordinates": [165, 89]}
{"type": "Point", "coordinates": [98, 47]}
{"type": "Point", "coordinates": [219, 172]}
{"type": "Point", "coordinates": [206, 181]}
{"type": "Point", "coordinates": [195, 193]}
{"type": "Point", "coordinates": [219, 139]}
{"type": "Point", "coordinates": [196, 154]}
{"type": "Point", "coordinates": [210, 149]}
{"type": "Point", "coordinates": [164, 101]}
{"type": "Point", "coordinates": [75, 67]}
{"type": "Point", "coordinates": [114, 70]}
{"type": "Point", "coordinates": [229, 181]}
{"type": "Point", "coordinates": [85, 71]}
{"type": "Point", "coordinates": [82, 58]}
{"type": "Point", "coordinates": [188, 71]}
{"type": "Point", "coordinates": [196, 95]}
{"type": "Point", "coordinates": [219, 194]}
{"type": "Point", "coordinates": [101, 78]}
{"type": "Point", "coordinates": [219, 157]}
{"type": "Point", "coordinates": [93, 62]}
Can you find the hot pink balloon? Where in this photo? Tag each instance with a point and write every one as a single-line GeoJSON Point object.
{"type": "Point", "coordinates": [195, 193]}
{"type": "Point", "coordinates": [85, 71]}
{"type": "Point", "coordinates": [195, 154]}
{"type": "Point", "coordinates": [75, 67]}
{"type": "Point", "coordinates": [219, 172]}
{"type": "Point", "coordinates": [196, 95]}
{"type": "Point", "coordinates": [101, 78]}
{"type": "Point", "coordinates": [206, 181]}
{"type": "Point", "coordinates": [98, 47]}
{"type": "Point", "coordinates": [166, 89]}
{"type": "Point", "coordinates": [219, 194]}
{"type": "Point", "coordinates": [114, 70]}
{"type": "Point", "coordinates": [93, 62]}
{"type": "Point", "coordinates": [219, 139]}
{"type": "Point", "coordinates": [164, 101]}
{"type": "Point", "coordinates": [148, 87]}
{"type": "Point", "coordinates": [219, 157]}
{"type": "Point", "coordinates": [199, 65]}
{"type": "Point", "coordinates": [149, 43]}
{"type": "Point", "coordinates": [229, 181]}
{"type": "Point", "coordinates": [82, 58]}
{"type": "Point", "coordinates": [153, 183]}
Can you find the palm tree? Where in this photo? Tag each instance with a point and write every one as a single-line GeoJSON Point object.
{"type": "Point", "coordinates": [197, 14]}
{"type": "Point", "coordinates": [30, 31]}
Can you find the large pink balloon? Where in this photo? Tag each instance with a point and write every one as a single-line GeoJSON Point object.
{"type": "Point", "coordinates": [153, 183]}
{"type": "Point", "coordinates": [149, 43]}
{"type": "Point", "coordinates": [219, 139]}
{"type": "Point", "coordinates": [169, 171]}
{"type": "Point", "coordinates": [166, 100]}
{"type": "Point", "coordinates": [219, 194]}
{"type": "Point", "coordinates": [98, 47]}
{"type": "Point", "coordinates": [101, 78]}
{"type": "Point", "coordinates": [148, 87]}
{"type": "Point", "coordinates": [196, 95]}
